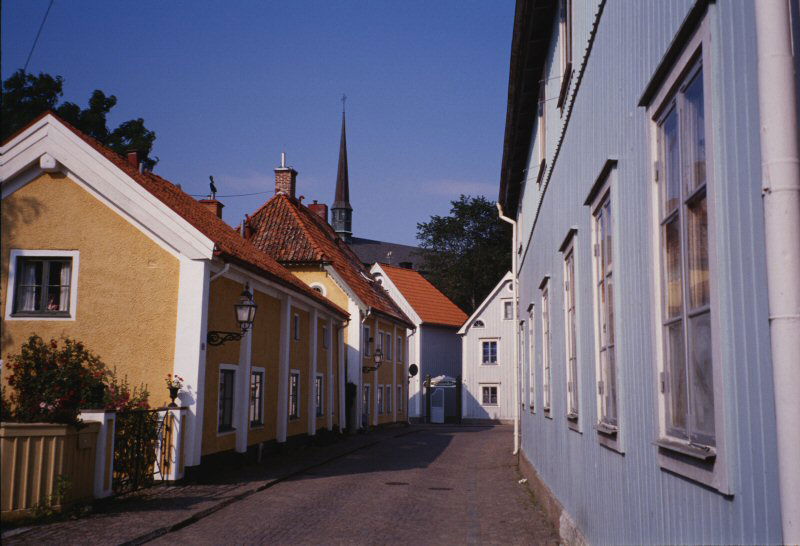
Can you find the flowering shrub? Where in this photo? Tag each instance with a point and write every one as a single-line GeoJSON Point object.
{"type": "Point", "coordinates": [52, 383]}
{"type": "Point", "coordinates": [120, 397]}
{"type": "Point", "coordinates": [174, 381]}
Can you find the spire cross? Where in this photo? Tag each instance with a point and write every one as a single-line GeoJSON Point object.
{"type": "Point", "coordinates": [344, 98]}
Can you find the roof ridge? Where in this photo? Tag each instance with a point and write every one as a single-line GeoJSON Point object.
{"type": "Point", "coordinates": [320, 253]}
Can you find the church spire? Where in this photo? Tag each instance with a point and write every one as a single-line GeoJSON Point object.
{"type": "Point", "coordinates": [341, 211]}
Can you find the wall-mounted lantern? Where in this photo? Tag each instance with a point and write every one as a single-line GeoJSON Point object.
{"type": "Point", "coordinates": [378, 361]}
{"type": "Point", "coordinates": [245, 310]}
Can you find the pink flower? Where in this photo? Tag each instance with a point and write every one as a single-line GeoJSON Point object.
{"type": "Point", "coordinates": [42, 405]}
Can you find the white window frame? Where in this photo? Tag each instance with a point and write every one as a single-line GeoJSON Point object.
{"type": "Point", "coordinates": [608, 433]}
{"type": "Point", "coordinates": [319, 395]}
{"type": "Point", "coordinates": [565, 42]}
{"type": "Point", "coordinates": [12, 282]}
{"type": "Point", "coordinates": [496, 341]}
{"type": "Point", "coordinates": [496, 387]}
{"type": "Point", "coordinates": [547, 364]}
{"type": "Point", "coordinates": [296, 327]}
{"type": "Point", "coordinates": [672, 452]}
{"type": "Point", "coordinates": [503, 303]}
{"type": "Point", "coordinates": [263, 372]}
{"type": "Point", "coordinates": [379, 398]}
{"type": "Point", "coordinates": [531, 360]}
{"type": "Point", "coordinates": [569, 251]}
{"type": "Point", "coordinates": [291, 417]}
{"type": "Point", "coordinates": [235, 369]}
{"type": "Point", "coordinates": [319, 287]}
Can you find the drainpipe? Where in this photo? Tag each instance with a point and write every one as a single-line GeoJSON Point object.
{"type": "Point", "coordinates": [780, 168]}
{"type": "Point", "coordinates": [220, 273]}
{"type": "Point", "coordinates": [516, 322]}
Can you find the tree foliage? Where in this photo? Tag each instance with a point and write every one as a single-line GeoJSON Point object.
{"type": "Point", "coordinates": [470, 250]}
{"type": "Point", "coordinates": [26, 96]}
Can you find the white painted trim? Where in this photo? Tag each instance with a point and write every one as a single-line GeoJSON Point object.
{"type": "Point", "coordinates": [329, 363]}
{"type": "Point", "coordinates": [283, 370]}
{"type": "Point", "coordinates": [243, 384]}
{"type": "Point", "coordinates": [342, 379]}
{"type": "Point", "coordinates": [354, 359]}
{"type": "Point", "coordinates": [236, 375]}
{"type": "Point", "coordinates": [189, 360]}
{"type": "Point", "coordinates": [396, 294]}
{"type": "Point", "coordinates": [572, 247]}
{"type": "Point", "coordinates": [313, 349]}
{"type": "Point", "coordinates": [481, 341]}
{"type": "Point", "coordinates": [299, 373]}
{"type": "Point", "coordinates": [12, 283]}
{"type": "Point", "coordinates": [496, 385]}
{"type": "Point", "coordinates": [319, 287]}
{"type": "Point", "coordinates": [485, 303]}
{"type": "Point", "coordinates": [330, 270]}
{"type": "Point", "coordinates": [397, 357]}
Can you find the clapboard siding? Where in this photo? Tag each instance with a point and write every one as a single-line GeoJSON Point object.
{"type": "Point", "coordinates": [474, 373]}
{"type": "Point", "coordinates": [616, 498]}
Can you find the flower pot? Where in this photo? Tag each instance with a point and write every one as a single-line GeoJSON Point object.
{"type": "Point", "coordinates": [173, 394]}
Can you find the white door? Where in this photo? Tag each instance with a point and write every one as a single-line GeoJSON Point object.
{"type": "Point", "coordinates": [437, 406]}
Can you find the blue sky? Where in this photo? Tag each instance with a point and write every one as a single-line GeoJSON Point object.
{"type": "Point", "coordinates": [228, 85]}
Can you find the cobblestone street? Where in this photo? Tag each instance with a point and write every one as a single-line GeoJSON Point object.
{"type": "Point", "coordinates": [431, 485]}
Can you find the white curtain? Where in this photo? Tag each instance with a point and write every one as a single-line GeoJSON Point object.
{"type": "Point", "coordinates": [28, 300]}
{"type": "Point", "coordinates": [63, 303]}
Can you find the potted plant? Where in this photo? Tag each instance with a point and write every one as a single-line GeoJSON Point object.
{"type": "Point", "coordinates": [174, 384]}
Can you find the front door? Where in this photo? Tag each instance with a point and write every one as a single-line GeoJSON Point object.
{"type": "Point", "coordinates": [437, 405]}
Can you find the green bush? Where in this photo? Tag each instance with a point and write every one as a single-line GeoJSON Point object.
{"type": "Point", "coordinates": [52, 383]}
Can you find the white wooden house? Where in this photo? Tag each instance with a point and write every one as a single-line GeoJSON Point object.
{"type": "Point", "coordinates": [487, 354]}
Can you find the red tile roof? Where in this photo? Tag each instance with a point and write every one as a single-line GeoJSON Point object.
{"type": "Point", "coordinates": [229, 245]}
{"type": "Point", "coordinates": [294, 235]}
{"type": "Point", "coordinates": [430, 304]}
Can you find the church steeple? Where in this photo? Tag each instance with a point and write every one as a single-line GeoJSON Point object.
{"type": "Point", "coordinates": [341, 211]}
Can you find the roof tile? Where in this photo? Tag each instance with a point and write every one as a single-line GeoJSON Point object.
{"type": "Point", "coordinates": [430, 304]}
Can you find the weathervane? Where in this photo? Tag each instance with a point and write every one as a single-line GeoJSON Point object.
{"type": "Point", "coordinates": [213, 187]}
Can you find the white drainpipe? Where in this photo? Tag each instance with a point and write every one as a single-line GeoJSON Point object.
{"type": "Point", "coordinates": [780, 168]}
{"type": "Point", "coordinates": [516, 325]}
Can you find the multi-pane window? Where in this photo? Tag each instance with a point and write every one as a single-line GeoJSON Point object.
{"type": "Point", "coordinates": [294, 395]}
{"type": "Point", "coordinates": [399, 348]}
{"type": "Point", "coordinates": [318, 399]}
{"type": "Point", "coordinates": [226, 387]}
{"type": "Point", "coordinates": [541, 128]}
{"type": "Point", "coordinates": [42, 286]}
{"type": "Point", "coordinates": [489, 395]}
{"type": "Point", "coordinates": [325, 340]}
{"type": "Point", "coordinates": [367, 337]}
{"type": "Point", "coordinates": [387, 346]}
{"type": "Point", "coordinates": [508, 310]}
{"type": "Point", "coordinates": [399, 398]}
{"type": "Point", "coordinates": [687, 380]}
{"type": "Point", "coordinates": [367, 400]}
{"type": "Point", "coordinates": [604, 305]}
{"type": "Point", "coordinates": [388, 399]}
{"type": "Point", "coordinates": [572, 348]}
{"type": "Point", "coordinates": [379, 393]}
{"type": "Point", "coordinates": [296, 327]}
{"type": "Point", "coordinates": [565, 25]}
{"type": "Point", "coordinates": [531, 364]}
{"type": "Point", "coordinates": [256, 398]}
{"type": "Point", "coordinates": [489, 352]}
{"type": "Point", "coordinates": [545, 349]}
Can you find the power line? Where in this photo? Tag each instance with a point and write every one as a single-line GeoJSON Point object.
{"type": "Point", "coordinates": [25, 68]}
{"type": "Point", "coordinates": [231, 195]}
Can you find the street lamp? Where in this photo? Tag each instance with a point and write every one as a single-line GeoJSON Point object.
{"type": "Point", "coordinates": [378, 361]}
{"type": "Point", "coordinates": [245, 310]}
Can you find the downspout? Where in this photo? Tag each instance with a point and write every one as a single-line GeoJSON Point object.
{"type": "Point", "coordinates": [220, 273]}
{"type": "Point", "coordinates": [516, 324]}
{"type": "Point", "coordinates": [780, 168]}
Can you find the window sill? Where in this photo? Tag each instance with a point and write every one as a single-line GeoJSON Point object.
{"type": "Point", "coordinates": [606, 429]}
{"type": "Point", "coordinates": [256, 426]}
{"type": "Point", "coordinates": [565, 81]}
{"type": "Point", "coordinates": [226, 431]}
{"type": "Point", "coordinates": [548, 413]}
{"type": "Point", "coordinates": [696, 463]}
{"type": "Point", "coordinates": [572, 423]}
{"type": "Point", "coordinates": [702, 453]}
{"type": "Point", "coordinates": [39, 316]}
{"type": "Point", "coordinates": [294, 418]}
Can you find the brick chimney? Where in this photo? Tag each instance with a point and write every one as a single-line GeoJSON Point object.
{"type": "Point", "coordinates": [285, 178]}
{"type": "Point", "coordinates": [135, 158]}
{"type": "Point", "coordinates": [213, 205]}
{"type": "Point", "coordinates": [320, 209]}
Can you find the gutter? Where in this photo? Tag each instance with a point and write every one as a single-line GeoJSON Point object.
{"type": "Point", "coordinates": [780, 168]}
{"type": "Point", "coordinates": [515, 284]}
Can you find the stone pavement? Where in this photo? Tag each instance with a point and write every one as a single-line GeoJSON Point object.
{"type": "Point", "coordinates": [422, 484]}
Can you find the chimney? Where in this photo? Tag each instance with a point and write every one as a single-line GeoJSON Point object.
{"type": "Point", "coordinates": [213, 205]}
{"type": "Point", "coordinates": [285, 178]}
{"type": "Point", "coordinates": [246, 231]}
{"type": "Point", "coordinates": [134, 158]}
{"type": "Point", "coordinates": [320, 209]}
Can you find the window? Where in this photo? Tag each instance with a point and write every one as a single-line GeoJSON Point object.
{"type": "Point", "coordinates": [489, 352]}
{"type": "Point", "coordinates": [227, 379]}
{"type": "Point", "coordinates": [388, 347]}
{"type": "Point", "coordinates": [489, 395]}
{"type": "Point", "coordinates": [42, 284]}
{"type": "Point", "coordinates": [478, 324]}
{"type": "Point", "coordinates": [325, 340]}
{"type": "Point", "coordinates": [367, 400]}
{"type": "Point", "coordinates": [388, 399]}
{"type": "Point", "coordinates": [687, 377]}
{"type": "Point", "coordinates": [320, 407]}
{"type": "Point", "coordinates": [399, 348]}
{"type": "Point", "coordinates": [566, 49]}
{"type": "Point", "coordinates": [296, 328]}
{"type": "Point", "coordinates": [379, 393]}
{"type": "Point", "coordinates": [508, 310]}
{"type": "Point", "coordinates": [256, 397]}
{"type": "Point", "coordinates": [571, 332]}
{"type": "Point", "coordinates": [604, 308]}
{"type": "Point", "coordinates": [294, 395]}
{"type": "Point", "coordinates": [319, 288]}
{"type": "Point", "coordinates": [399, 398]}
{"type": "Point", "coordinates": [545, 349]}
{"type": "Point", "coordinates": [541, 128]}
{"type": "Point", "coordinates": [367, 341]}
{"type": "Point", "coordinates": [531, 364]}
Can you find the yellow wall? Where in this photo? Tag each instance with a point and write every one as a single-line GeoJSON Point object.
{"type": "Point", "coordinates": [127, 284]}
{"type": "Point", "coordinates": [299, 359]}
{"type": "Point", "coordinates": [265, 354]}
{"type": "Point", "coordinates": [387, 369]}
{"type": "Point", "coordinates": [314, 274]}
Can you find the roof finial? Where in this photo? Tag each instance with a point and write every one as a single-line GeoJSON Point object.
{"type": "Point", "coordinates": [344, 98]}
{"type": "Point", "coordinates": [283, 160]}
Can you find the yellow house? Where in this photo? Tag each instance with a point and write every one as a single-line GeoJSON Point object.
{"type": "Point", "coordinates": [97, 249]}
{"type": "Point", "coordinates": [300, 238]}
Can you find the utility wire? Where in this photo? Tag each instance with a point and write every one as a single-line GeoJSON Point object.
{"type": "Point", "coordinates": [25, 68]}
{"type": "Point", "coordinates": [231, 195]}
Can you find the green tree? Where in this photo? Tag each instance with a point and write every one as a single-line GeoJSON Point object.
{"type": "Point", "coordinates": [25, 96]}
{"type": "Point", "coordinates": [470, 250]}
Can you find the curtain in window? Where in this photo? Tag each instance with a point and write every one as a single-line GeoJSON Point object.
{"type": "Point", "coordinates": [63, 301]}
{"type": "Point", "coordinates": [31, 284]}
